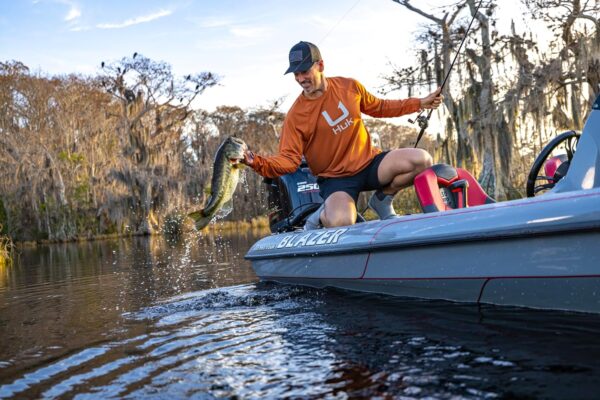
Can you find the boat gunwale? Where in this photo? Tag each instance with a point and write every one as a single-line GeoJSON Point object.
{"type": "Point", "coordinates": [506, 234]}
{"type": "Point", "coordinates": [439, 241]}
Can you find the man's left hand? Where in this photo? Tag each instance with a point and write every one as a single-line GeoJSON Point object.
{"type": "Point", "coordinates": [248, 158]}
{"type": "Point", "coordinates": [432, 100]}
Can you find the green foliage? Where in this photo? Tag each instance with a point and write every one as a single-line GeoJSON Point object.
{"type": "Point", "coordinates": [80, 192]}
{"type": "Point", "coordinates": [6, 251]}
{"type": "Point", "coordinates": [71, 157]}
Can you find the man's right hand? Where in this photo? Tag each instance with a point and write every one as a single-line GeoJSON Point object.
{"type": "Point", "coordinates": [432, 100]}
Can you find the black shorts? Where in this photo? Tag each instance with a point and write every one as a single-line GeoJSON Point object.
{"type": "Point", "coordinates": [362, 181]}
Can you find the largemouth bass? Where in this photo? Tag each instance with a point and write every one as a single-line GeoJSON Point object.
{"type": "Point", "coordinates": [226, 175]}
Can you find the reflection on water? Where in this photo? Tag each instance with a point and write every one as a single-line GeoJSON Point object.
{"type": "Point", "coordinates": [142, 318]}
{"type": "Point", "coordinates": [57, 298]}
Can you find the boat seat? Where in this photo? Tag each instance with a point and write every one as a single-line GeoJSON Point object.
{"type": "Point", "coordinates": [442, 187]}
{"type": "Point", "coordinates": [556, 167]}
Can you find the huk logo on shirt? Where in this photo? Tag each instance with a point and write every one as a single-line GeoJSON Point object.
{"type": "Point", "coordinates": [340, 123]}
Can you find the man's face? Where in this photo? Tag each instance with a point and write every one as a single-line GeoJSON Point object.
{"type": "Point", "coordinates": [312, 79]}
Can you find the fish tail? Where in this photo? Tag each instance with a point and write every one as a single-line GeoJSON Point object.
{"type": "Point", "coordinates": [200, 219]}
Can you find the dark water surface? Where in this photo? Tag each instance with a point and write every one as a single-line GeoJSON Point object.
{"type": "Point", "coordinates": [141, 318]}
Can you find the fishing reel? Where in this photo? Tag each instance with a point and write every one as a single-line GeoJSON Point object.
{"type": "Point", "coordinates": [421, 120]}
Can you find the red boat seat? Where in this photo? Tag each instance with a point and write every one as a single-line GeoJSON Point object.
{"type": "Point", "coordinates": [556, 167]}
{"type": "Point", "coordinates": [442, 187]}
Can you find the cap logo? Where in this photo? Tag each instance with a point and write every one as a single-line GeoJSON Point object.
{"type": "Point", "coordinates": [295, 56]}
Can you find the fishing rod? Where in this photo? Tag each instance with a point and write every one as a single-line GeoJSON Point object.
{"type": "Point", "coordinates": [422, 120]}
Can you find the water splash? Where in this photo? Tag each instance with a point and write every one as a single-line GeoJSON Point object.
{"type": "Point", "coordinates": [185, 306]}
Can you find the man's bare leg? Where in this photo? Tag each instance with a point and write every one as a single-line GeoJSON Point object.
{"type": "Point", "coordinates": [340, 210]}
{"type": "Point", "coordinates": [396, 171]}
{"type": "Point", "coordinates": [399, 168]}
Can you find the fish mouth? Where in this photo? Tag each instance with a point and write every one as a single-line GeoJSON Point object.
{"type": "Point", "coordinates": [237, 150]}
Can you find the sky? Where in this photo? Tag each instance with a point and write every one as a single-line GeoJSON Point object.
{"type": "Point", "coordinates": [246, 43]}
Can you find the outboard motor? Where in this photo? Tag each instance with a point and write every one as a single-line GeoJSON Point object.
{"type": "Point", "coordinates": [293, 197]}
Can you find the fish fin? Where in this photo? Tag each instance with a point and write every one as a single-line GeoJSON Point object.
{"type": "Point", "coordinates": [225, 209]}
{"type": "Point", "coordinates": [208, 203]}
{"type": "Point", "coordinates": [200, 220]}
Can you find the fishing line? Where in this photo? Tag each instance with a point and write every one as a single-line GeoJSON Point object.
{"type": "Point", "coordinates": [461, 44]}
{"type": "Point", "coordinates": [424, 121]}
{"type": "Point", "coordinates": [332, 29]}
{"type": "Point", "coordinates": [339, 21]}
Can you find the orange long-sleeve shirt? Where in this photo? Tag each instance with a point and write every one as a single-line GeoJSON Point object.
{"type": "Point", "coordinates": [330, 132]}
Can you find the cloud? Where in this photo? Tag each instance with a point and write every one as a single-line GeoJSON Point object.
{"type": "Point", "coordinates": [249, 31]}
{"type": "Point", "coordinates": [136, 20]}
{"type": "Point", "coordinates": [74, 9]}
{"type": "Point", "coordinates": [74, 12]}
{"type": "Point", "coordinates": [79, 28]}
{"type": "Point", "coordinates": [236, 27]}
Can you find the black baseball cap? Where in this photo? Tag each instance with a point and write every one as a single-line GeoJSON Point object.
{"type": "Point", "coordinates": [302, 56]}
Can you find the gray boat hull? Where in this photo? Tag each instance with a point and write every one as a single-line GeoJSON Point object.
{"type": "Point", "coordinates": [541, 252]}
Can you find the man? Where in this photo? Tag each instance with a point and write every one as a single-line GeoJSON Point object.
{"type": "Point", "coordinates": [325, 126]}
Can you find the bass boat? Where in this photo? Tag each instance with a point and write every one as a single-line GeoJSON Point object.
{"type": "Point", "coordinates": [535, 252]}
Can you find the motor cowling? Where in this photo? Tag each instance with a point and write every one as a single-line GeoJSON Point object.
{"type": "Point", "coordinates": [292, 198]}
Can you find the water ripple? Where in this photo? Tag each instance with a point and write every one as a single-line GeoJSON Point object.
{"type": "Point", "coordinates": [51, 370]}
{"type": "Point", "coordinates": [271, 341]}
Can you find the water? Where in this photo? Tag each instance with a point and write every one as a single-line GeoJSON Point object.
{"type": "Point", "coordinates": [140, 318]}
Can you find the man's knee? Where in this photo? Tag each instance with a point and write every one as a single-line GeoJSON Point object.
{"type": "Point", "coordinates": [332, 220]}
{"type": "Point", "coordinates": [421, 162]}
{"type": "Point", "coordinates": [424, 160]}
{"type": "Point", "coordinates": [340, 210]}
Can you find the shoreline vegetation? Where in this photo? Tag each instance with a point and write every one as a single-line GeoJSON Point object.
{"type": "Point", "coordinates": [179, 227]}
{"type": "Point", "coordinates": [120, 155]}
{"type": "Point", "coordinates": [6, 250]}
{"type": "Point", "coordinates": [259, 224]}
{"type": "Point", "coordinates": [404, 201]}
{"type": "Point", "coordinates": [123, 151]}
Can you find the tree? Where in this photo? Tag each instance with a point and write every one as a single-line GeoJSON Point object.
{"type": "Point", "coordinates": [440, 39]}
{"type": "Point", "coordinates": [575, 25]}
{"type": "Point", "coordinates": [154, 106]}
{"type": "Point", "coordinates": [508, 95]}
{"type": "Point", "coordinates": [28, 149]}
